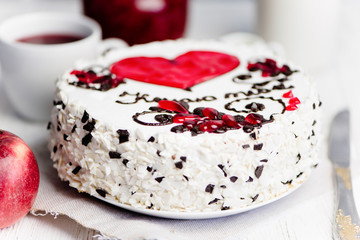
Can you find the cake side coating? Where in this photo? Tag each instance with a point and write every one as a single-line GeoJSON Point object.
{"type": "Point", "coordinates": [98, 147]}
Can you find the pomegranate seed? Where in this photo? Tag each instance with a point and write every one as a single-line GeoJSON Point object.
{"type": "Point", "coordinates": [211, 125]}
{"type": "Point", "coordinates": [252, 119]}
{"type": "Point", "coordinates": [116, 81]}
{"type": "Point", "coordinates": [285, 69]}
{"type": "Point", "coordinates": [181, 117]}
{"type": "Point", "coordinates": [288, 94]}
{"type": "Point", "coordinates": [85, 77]}
{"type": "Point", "coordinates": [230, 121]}
{"type": "Point", "coordinates": [211, 113]}
{"type": "Point", "coordinates": [269, 68]}
{"type": "Point", "coordinates": [252, 67]}
{"type": "Point", "coordinates": [266, 74]}
{"type": "Point", "coordinates": [172, 106]}
{"type": "Point", "coordinates": [291, 107]}
{"type": "Point", "coordinates": [189, 124]}
{"type": "Point", "coordinates": [76, 72]}
{"type": "Point", "coordinates": [294, 101]}
{"type": "Point", "coordinates": [270, 63]}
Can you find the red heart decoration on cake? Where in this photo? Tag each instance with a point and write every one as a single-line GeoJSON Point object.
{"type": "Point", "coordinates": [183, 72]}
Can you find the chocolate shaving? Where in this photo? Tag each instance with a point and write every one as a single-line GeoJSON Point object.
{"type": "Point", "coordinates": [209, 188]}
{"type": "Point", "coordinates": [114, 154]}
{"type": "Point", "coordinates": [149, 169]}
{"type": "Point", "coordinates": [255, 197]}
{"type": "Point", "coordinates": [125, 161]}
{"type": "Point", "coordinates": [245, 146]}
{"type": "Point", "coordinates": [223, 208]}
{"type": "Point", "coordinates": [253, 135]}
{"type": "Point", "coordinates": [287, 182]}
{"type": "Point", "coordinates": [86, 139]}
{"type": "Point", "coordinates": [101, 192]}
{"type": "Point", "coordinates": [179, 165]}
{"type": "Point", "coordinates": [89, 126]}
{"type": "Point", "coordinates": [186, 178]}
{"type": "Point", "coordinates": [54, 149]}
{"type": "Point", "coordinates": [213, 201]}
{"type": "Point", "coordinates": [73, 129]}
{"type": "Point", "coordinates": [76, 170]}
{"type": "Point", "coordinates": [250, 179]}
{"type": "Point", "coordinates": [298, 157]}
{"type": "Point", "coordinates": [264, 160]}
{"type": "Point", "coordinates": [222, 169]}
{"type": "Point", "coordinates": [183, 158]}
{"type": "Point", "coordinates": [233, 179]}
{"type": "Point", "coordinates": [159, 179]}
{"type": "Point", "coordinates": [123, 135]}
{"type": "Point", "coordinates": [151, 139]}
{"type": "Point", "coordinates": [65, 137]}
{"type": "Point", "coordinates": [258, 171]}
{"type": "Point", "coordinates": [258, 147]}
{"type": "Point", "coordinates": [85, 117]}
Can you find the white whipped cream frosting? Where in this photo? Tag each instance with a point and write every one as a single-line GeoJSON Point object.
{"type": "Point", "coordinates": [206, 180]}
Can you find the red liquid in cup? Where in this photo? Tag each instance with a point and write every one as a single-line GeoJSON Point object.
{"type": "Point", "coordinates": [50, 39]}
{"type": "Point", "coordinates": [139, 21]}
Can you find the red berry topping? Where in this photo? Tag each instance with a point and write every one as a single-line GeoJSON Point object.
{"type": "Point", "coordinates": [211, 125]}
{"type": "Point", "coordinates": [230, 121]}
{"type": "Point", "coordinates": [172, 106]}
{"type": "Point", "coordinates": [288, 94]}
{"type": "Point", "coordinates": [269, 68]}
{"type": "Point", "coordinates": [87, 77]}
{"type": "Point", "coordinates": [211, 113]}
{"type": "Point", "coordinates": [182, 117]}
{"type": "Point", "coordinates": [189, 124]}
{"type": "Point", "coordinates": [291, 107]}
{"type": "Point", "coordinates": [252, 119]}
{"type": "Point", "coordinates": [294, 101]}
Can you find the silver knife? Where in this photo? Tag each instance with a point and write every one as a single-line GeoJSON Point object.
{"type": "Point", "coordinates": [346, 224]}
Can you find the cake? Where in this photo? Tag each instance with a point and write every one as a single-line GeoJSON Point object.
{"type": "Point", "coordinates": [185, 126]}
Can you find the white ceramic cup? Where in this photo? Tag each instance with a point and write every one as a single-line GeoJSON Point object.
{"type": "Point", "coordinates": [29, 71]}
{"type": "Point", "coordinates": [307, 29]}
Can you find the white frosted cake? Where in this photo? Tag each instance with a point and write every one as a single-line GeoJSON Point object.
{"type": "Point", "coordinates": [187, 126]}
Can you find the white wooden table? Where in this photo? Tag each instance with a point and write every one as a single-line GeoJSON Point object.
{"type": "Point", "coordinates": [62, 227]}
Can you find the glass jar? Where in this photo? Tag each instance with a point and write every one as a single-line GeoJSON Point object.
{"type": "Point", "coordinates": [139, 21]}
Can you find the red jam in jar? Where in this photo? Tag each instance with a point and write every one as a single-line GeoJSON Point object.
{"type": "Point", "coordinates": [139, 21]}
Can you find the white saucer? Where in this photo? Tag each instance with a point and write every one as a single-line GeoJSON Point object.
{"type": "Point", "coordinates": [197, 215]}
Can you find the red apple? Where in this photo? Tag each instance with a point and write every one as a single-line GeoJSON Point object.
{"type": "Point", "coordinates": [19, 178]}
